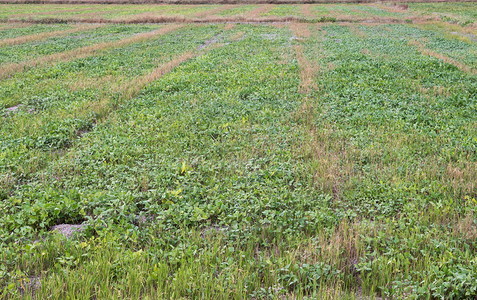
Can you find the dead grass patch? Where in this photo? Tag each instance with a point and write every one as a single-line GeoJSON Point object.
{"type": "Point", "coordinates": [330, 160]}
{"type": "Point", "coordinates": [462, 178]}
{"type": "Point", "coordinates": [384, 157]}
{"type": "Point", "coordinates": [434, 91]}
{"type": "Point", "coordinates": [308, 69]}
{"type": "Point", "coordinates": [230, 26]}
{"type": "Point", "coordinates": [10, 69]}
{"type": "Point", "coordinates": [454, 31]}
{"type": "Point", "coordinates": [306, 11]}
{"type": "Point", "coordinates": [300, 30]}
{"type": "Point", "coordinates": [44, 35]}
{"type": "Point", "coordinates": [238, 36]}
{"type": "Point", "coordinates": [257, 12]}
{"type": "Point", "coordinates": [342, 248]}
{"type": "Point", "coordinates": [465, 227]}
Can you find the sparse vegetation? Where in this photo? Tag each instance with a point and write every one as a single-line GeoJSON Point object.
{"type": "Point", "coordinates": [287, 160]}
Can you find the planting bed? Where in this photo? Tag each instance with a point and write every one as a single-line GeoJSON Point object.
{"type": "Point", "coordinates": [320, 151]}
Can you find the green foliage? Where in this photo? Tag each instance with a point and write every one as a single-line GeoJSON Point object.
{"type": "Point", "coordinates": [206, 184]}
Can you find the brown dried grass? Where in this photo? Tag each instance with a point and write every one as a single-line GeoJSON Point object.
{"type": "Point", "coordinates": [257, 12]}
{"type": "Point", "coordinates": [44, 35]}
{"type": "Point", "coordinates": [136, 85]}
{"type": "Point", "coordinates": [465, 227]}
{"type": "Point", "coordinates": [330, 159]}
{"type": "Point", "coordinates": [300, 30]}
{"type": "Point", "coordinates": [306, 11]}
{"type": "Point", "coordinates": [434, 91]}
{"type": "Point", "coordinates": [229, 26]}
{"type": "Point", "coordinates": [12, 68]}
{"type": "Point", "coordinates": [238, 36]}
{"type": "Point", "coordinates": [308, 69]}
{"type": "Point", "coordinates": [462, 178]}
{"type": "Point", "coordinates": [342, 248]}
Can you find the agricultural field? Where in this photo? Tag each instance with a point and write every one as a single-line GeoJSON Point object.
{"type": "Point", "coordinates": [238, 151]}
{"type": "Point", "coordinates": [463, 13]}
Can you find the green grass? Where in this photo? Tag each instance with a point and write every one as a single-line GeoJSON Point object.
{"type": "Point", "coordinates": [13, 9]}
{"type": "Point", "coordinates": [35, 49]}
{"type": "Point", "coordinates": [284, 10]}
{"type": "Point", "coordinates": [38, 12]}
{"type": "Point", "coordinates": [34, 29]}
{"type": "Point", "coordinates": [224, 179]}
{"type": "Point", "coordinates": [238, 10]}
{"type": "Point", "coordinates": [454, 12]}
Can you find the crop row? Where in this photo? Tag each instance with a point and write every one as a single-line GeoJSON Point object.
{"type": "Point", "coordinates": [317, 161]}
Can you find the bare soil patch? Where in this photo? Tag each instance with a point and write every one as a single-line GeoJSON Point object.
{"type": "Point", "coordinates": [68, 230]}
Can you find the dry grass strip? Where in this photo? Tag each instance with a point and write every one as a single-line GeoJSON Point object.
{"type": "Point", "coordinates": [229, 26]}
{"type": "Point", "coordinates": [262, 9]}
{"type": "Point", "coordinates": [330, 159]}
{"type": "Point", "coordinates": [10, 69]}
{"type": "Point", "coordinates": [306, 11]}
{"type": "Point", "coordinates": [308, 69]}
{"type": "Point", "coordinates": [425, 51]}
{"type": "Point", "coordinates": [44, 35]}
{"type": "Point", "coordinates": [131, 90]}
